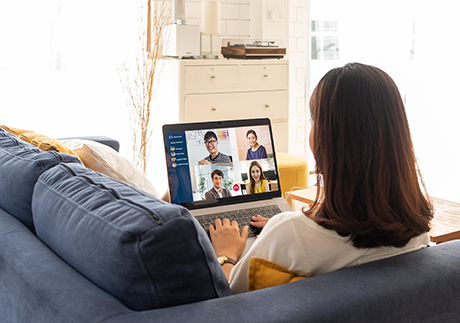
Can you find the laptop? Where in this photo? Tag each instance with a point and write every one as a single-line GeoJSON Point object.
{"type": "Point", "coordinates": [209, 170]}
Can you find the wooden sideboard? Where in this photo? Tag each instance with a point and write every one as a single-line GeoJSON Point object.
{"type": "Point", "coordinates": [234, 89]}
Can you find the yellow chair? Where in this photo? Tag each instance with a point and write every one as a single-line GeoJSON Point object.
{"type": "Point", "coordinates": [293, 171]}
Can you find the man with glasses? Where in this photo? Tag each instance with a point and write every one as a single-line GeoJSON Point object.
{"type": "Point", "coordinates": [215, 157]}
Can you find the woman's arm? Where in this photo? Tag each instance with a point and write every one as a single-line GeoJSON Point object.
{"type": "Point", "coordinates": [227, 241]}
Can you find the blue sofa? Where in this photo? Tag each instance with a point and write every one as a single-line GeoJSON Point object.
{"type": "Point", "coordinates": [58, 266]}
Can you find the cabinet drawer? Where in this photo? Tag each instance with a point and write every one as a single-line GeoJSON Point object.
{"type": "Point", "coordinates": [200, 79]}
{"type": "Point", "coordinates": [264, 77]}
{"type": "Point", "coordinates": [221, 106]}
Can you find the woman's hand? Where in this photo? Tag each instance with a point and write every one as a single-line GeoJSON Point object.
{"type": "Point", "coordinates": [226, 239]}
{"type": "Point", "coordinates": [259, 221]}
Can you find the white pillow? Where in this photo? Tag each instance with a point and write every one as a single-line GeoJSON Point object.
{"type": "Point", "coordinates": [107, 161]}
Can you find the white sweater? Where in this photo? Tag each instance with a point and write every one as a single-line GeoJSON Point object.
{"type": "Point", "coordinates": [299, 244]}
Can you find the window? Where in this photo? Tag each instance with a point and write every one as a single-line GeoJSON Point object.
{"type": "Point", "coordinates": [324, 40]}
{"type": "Point", "coordinates": [413, 42]}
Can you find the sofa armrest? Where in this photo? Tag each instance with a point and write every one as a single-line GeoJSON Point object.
{"type": "Point", "coordinates": [113, 143]}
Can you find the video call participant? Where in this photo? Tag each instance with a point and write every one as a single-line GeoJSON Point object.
{"type": "Point", "coordinates": [215, 157]}
{"type": "Point", "coordinates": [258, 183]}
{"type": "Point", "coordinates": [217, 191]}
{"type": "Point", "coordinates": [256, 151]}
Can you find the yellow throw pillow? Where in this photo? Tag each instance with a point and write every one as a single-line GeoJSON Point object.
{"type": "Point", "coordinates": [264, 274]}
{"type": "Point", "coordinates": [14, 131]}
{"type": "Point", "coordinates": [40, 141]}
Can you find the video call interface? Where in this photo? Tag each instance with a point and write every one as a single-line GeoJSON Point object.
{"type": "Point", "coordinates": [220, 163]}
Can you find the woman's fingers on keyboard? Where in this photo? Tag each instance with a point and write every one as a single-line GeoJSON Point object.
{"type": "Point", "coordinates": [225, 222]}
{"type": "Point", "coordinates": [218, 223]}
{"type": "Point", "coordinates": [259, 221]}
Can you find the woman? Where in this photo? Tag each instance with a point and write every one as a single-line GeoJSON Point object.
{"type": "Point", "coordinates": [258, 183]}
{"type": "Point", "coordinates": [256, 151]}
{"type": "Point", "coordinates": [371, 206]}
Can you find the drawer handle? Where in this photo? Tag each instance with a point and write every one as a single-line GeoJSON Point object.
{"type": "Point", "coordinates": [213, 77]}
{"type": "Point", "coordinates": [267, 106]}
{"type": "Point", "coordinates": [265, 75]}
{"type": "Point", "coordinates": [213, 109]}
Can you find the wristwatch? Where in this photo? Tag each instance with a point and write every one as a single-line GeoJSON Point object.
{"type": "Point", "coordinates": [224, 259]}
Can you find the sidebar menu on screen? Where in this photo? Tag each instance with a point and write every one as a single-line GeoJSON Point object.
{"type": "Point", "coordinates": [178, 166]}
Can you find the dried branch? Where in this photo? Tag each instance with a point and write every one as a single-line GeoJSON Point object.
{"type": "Point", "coordinates": [140, 79]}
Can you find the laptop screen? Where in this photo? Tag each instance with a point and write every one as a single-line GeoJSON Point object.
{"type": "Point", "coordinates": [221, 162]}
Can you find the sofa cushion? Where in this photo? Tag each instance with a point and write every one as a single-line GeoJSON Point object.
{"type": "Point", "coordinates": [146, 252]}
{"type": "Point", "coordinates": [107, 161]}
{"type": "Point", "coordinates": [21, 165]}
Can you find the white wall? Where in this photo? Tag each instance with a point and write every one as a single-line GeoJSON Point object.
{"type": "Point", "coordinates": [299, 73]}
{"type": "Point", "coordinates": [235, 21]}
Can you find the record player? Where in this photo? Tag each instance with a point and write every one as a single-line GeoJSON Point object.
{"type": "Point", "coordinates": [252, 49]}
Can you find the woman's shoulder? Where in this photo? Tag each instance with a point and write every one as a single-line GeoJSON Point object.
{"type": "Point", "coordinates": [261, 148]}
{"type": "Point", "coordinates": [299, 221]}
{"type": "Point", "coordinates": [290, 218]}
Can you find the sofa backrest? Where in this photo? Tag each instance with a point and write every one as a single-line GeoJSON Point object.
{"type": "Point", "coordinates": [21, 165]}
{"type": "Point", "coordinates": [421, 286]}
{"type": "Point", "coordinates": [146, 252]}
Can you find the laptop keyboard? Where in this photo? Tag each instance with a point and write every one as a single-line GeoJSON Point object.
{"type": "Point", "coordinates": [243, 217]}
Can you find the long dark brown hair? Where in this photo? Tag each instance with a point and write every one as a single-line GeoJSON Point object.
{"type": "Point", "coordinates": [365, 160]}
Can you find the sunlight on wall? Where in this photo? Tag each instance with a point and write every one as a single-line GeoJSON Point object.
{"type": "Point", "coordinates": [58, 68]}
{"type": "Point", "coordinates": [432, 103]}
{"type": "Point", "coordinates": [381, 34]}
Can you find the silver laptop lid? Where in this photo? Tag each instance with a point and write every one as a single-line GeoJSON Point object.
{"type": "Point", "coordinates": [209, 163]}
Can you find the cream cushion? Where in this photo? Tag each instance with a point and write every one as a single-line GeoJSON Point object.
{"type": "Point", "coordinates": [107, 161]}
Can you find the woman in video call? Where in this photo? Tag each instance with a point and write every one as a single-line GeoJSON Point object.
{"type": "Point", "coordinates": [256, 151]}
{"type": "Point", "coordinates": [373, 203]}
{"type": "Point", "coordinates": [257, 183]}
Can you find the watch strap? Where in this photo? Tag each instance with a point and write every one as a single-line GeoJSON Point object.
{"type": "Point", "coordinates": [230, 261]}
{"type": "Point", "coordinates": [224, 259]}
